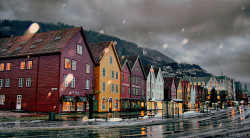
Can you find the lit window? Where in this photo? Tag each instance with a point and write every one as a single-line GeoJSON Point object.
{"type": "Point", "coordinates": [66, 106]}
{"type": "Point", "coordinates": [79, 106]}
{"type": "Point", "coordinates": [67, 63]}
{"type": "Point", "coordinates": [79, 49]}
{"type": "Point", "coordinates": [8, 66]}
{"type": "Point", "coordinates": [1, 82]}
{"type": "Point", "coordinates": [20, 82]}
{"type": "Point", "coordinates": [103, 103]}
{"type": "Point", "coordinates": [211, 83]}
{"type": "Point", "coordinates": [103, 72]}
{"type": "Point", "coordinates": [218, 87]}
{"type": "Point", "coordinates": [103, 87]}
{"type": "Point", "coordinates": [28, 82]}
{"type": "Point", "coordinates": [2, 99]}
{"type": "Point", "coordinates": [7, 82]}
{"type": "Point", "coordinates": [29, 65]}
{"type": "Point", "coordinates": [65, 82]}
{"type": "Point", "coordinates": [2, 67]}
{"type": "Point", "coordinates": [122, 89]}
{"type": "Point", "coordinates": [73, 65]}
{"type": "Point", "coordinates": [218, 97]}
{"type": "Point", "coordinates": [112, 74]}
{"type": "Point", "coordinates": [110, 60]}
{"type": "Point", "coordinates": [116, 89]}
{"type": "Point", "coordinates": [112, 88]}
{"type": "Point", "coordinates": [116, 75]}
{"type": "Point", "coordinates": [22, 65]}
{"type": "Point", "coordinates": [73, 83]}
{"type": "Point", "coordinates": [87, 68]}
{"type": "Point", "coordinates": [87, 84]}
{"type": "Point", "coordinates": [215, 83]}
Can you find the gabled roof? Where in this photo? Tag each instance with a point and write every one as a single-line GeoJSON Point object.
{"type": "Point", "coordinates": [39, 43]}
{"type": "Point", "coordinates": [123, 62]}
{"type": "Point", "coordinates": [99, 49]}
{"type": "Point", "coordinates": [156, 70]}
{"type": "Point", "coordinates": [168, 82]}
{"type": "Point", "coordinates": [146, 69]}
{"type": "Point", "coordinates": [131, 60]}
{"type": "Point", "coordinates": [176, 81]}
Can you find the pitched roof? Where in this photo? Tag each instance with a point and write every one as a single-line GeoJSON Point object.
{"type": "Point", "coordinates": [176, 80]}
{"type": "Point", "coordinates": [146, 69]}
{"type": "Point", "coordinates": [200, 79]}
{"type": "Point", "coordinates": [131, 60]}
{"type": "Point", "coordinates": [156, 70]}
{"type": "Point", "coordinates": [122, 61]}
{"type": "Point", "coordinates": [168, 82]}
{"type": "Point", "coordinates": [40, 43]}
{"type": "Point", "coordinates": [99, 49]}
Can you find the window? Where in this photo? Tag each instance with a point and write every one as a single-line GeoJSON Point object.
{"type": "Point", "coordinates": [122, 89]}
{"type": "Point", "coordinates": [1, 83]}
{"type": "Point", "coordinates": [20, 82]}
{"type": "Point", "coordinates": [112, 88]}
{"type": "Point", "coordinates": [87, 68]}
{"type": "Point", "coordinates": [22, 65]}
{"type": "Point", "coordinates": [28, 82]}
{"type": "Point", "coordinates": [116, 103]}
{"type": "Point", "coordinates": [66, 106]}
{"type": "Point", "coordinates": [122, 77]}
{"type": "Point", "coordinates": [29, 65]}
{"type": "Point", "coordinates": [110, 60]}
{"type": "Point", "coordinates": [2, 99]}
{"type": "Point", "coordinates": [142, 82]}
{"type": "Point", "coordinates": [116, 75]}
{"type": "Point", "coordinates": [138, 69]}
{"type": "Point", "coordinates": [103, 72]}
{"type": "Point", "coordinates": [65, 82]}
{"type": "Point", "coordinates": [8, 66]}
{"type": "Point", "coordinates": [218, 87]}
{"type": "Point", "coordinates": [73, 65]}
{"type": "Point", "coordinates": [112, 74]}
{"type": "Point", "coordinates": [67, 63]}
{"type": "Point", "coordinates": [128, 79]}
{"type": "Point", "coordinates": [215, 83]}
{"type": "Point", "coordinates": [73, 83]}
{"type": "Point", "coordinates": [7, 82]}
{"type": "Point", "coordinates": [136, 91]}
{"type": "Point", "coordinates": [116, 89]}
{"type": "Point", "coordinates": [133, 91]}
{"type": "Point", "coordinates": [211, 83]}
{"type": "Point", "coordinates": [103, 87]}
{"type": "Point", "coordinates": [133, 78]}
{"type": "Point", "coordinates": [142, 92]}
{"type": "Point", "coordinates": [136, 80]}
{"type": "Point", "coordinates": [128, 90]}
{"type": "Point", "coordinates": [103, 103]}
{"type": "Point", "coordinates": [87, 83]}
{"type": "Point", "coordinates": [79, 106]}
{"type": "Point", "coordinates": [79, 49]}
{"type": "Point", "coordinates": [2, 67]}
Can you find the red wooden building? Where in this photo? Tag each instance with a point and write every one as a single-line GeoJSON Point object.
{"type": "Point", "coordinates": [50, 71]}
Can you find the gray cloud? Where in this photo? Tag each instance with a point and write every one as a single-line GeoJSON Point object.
{"type": "Point", "coordinates": [214, 34]}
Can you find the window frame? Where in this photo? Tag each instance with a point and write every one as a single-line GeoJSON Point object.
{"type": "Point", "coordinates": [66, 63]}
{"type": "Point", "coordinates": [22, 65]}
{"type": "Point", "coordinates": [87, 84]}
{"type": "Point", "coordinates": [28, 64]}
{"type": "Point", "coordinates": [73, 82]}
{"type": "Point", "coordinates": [116, 75]}
{"type": "Point", "coordinates": [7, 84]}
{"type": "Point", "coordinates": [112, 88]}
{"type": "Point", "coordinates": [116, 88]}
{"type": "Point", "coordinates": [2, 99]}
{"type": "Point", "coordinates": [103, 72]}
{"type": "Point", "coordinates": [8, 66]}
{"type": "Point", "coordinates": [112, 74]}
{"type": "Point", "coordinates": [20, 81]}
{"type": "Point", "coordinates": [1, 83]}
{"type": "Point", "coordinates": [88, 68]}
{"type": "Point", "coordinates": [122, 89]}
{"type": "Point", "coordinates": [65, 83]}
{"type": "Point", "coordinates": [110, 60]}
{"type": "Point", "coordinates": [79, 49]}
{"type": "Point", "coordinates": [28, 82]}
{"type": "Point", "coordinates": [73, 64]}
{"type": "Point", "coordinates": [1, 66]}
{"type": "Point", "coordinates": [103, 87]}
{"type": "Point", "coordinates": [103, 103]}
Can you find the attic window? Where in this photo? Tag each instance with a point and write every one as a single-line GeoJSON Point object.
{"type": "Point", "coordinates": [3, 50]}
{"type": "Point", "coordinates": [10, 44]}
{"type": "Point", "coordinates": [18, 48]}
{"type": "Point", "coordinates": [58, 37]}
{"type": "Point", "coordinates": [39, 40]}
{"type": "Point", "coordinates": [33, 46]}
{"type": "Point", "coordinates": [24, 42]}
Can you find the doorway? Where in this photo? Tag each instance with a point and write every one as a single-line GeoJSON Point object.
{"type": "Point", "coordinates": [110, 104]}
{"type": "Point", "coordinates": [19, 102]}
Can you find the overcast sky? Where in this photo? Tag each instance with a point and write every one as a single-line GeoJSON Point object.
{"type": "Point", "coordinates": [212, 33]}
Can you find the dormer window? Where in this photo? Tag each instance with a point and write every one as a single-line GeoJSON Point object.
{"type": "Point", "coordinates": [58, 38]}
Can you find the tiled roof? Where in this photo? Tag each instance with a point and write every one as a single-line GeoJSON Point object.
{"type": "Point", "coordinates": [99, 49]}
{"type": "Point", "coordinates": [168, 82]}
{"type": "Point", "coordinates": [40, 43]}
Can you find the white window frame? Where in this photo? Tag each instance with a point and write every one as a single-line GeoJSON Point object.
{"type": "Point", "coordinates": [112, 74]}
{"type": "Point", "coordinates": [112, 88]}
{"type": "Point", "coordinates": [87, 68]}
{"type": "Point", "coordinates": [116, 89]}
{"type": "Point", "coordinates": [1, 82]}
{"type": "Point", "coordinates": [87, 84]}
{"type": "Point", "coordinates": [103, 98]}
{"type": "Point", "coordinates": [79, 49]}
{"type": "Point", "coordinates": [116, 75]}
{"type": "Point", "coordinates": [103, 87]}
{"type": "Point", "coordinates": [20, 82]}
{"type": "Point", "coordinates": [28, 82]}
{"type": "Point", "coordinates": [73, 64]}
{"type": "Point", "coordinates": [7, 82]}
{"type": "Point", "coordinates": [103, 72]}
{"type": "Point", "coordinates": [65, 83]}
{"type": "Point", "coordinates": [73, 82]}
{"type": "Point", "coordinates": [110, 60]}
{"type": "Point", "coordinates": [2, 99]}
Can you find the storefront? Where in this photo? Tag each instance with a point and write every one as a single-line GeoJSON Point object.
{"type": "Point", "coordinates": [74, 104]}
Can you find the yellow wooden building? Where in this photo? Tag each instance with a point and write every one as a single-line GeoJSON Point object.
{"type": "Point", "coordinates": [106, 77]}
